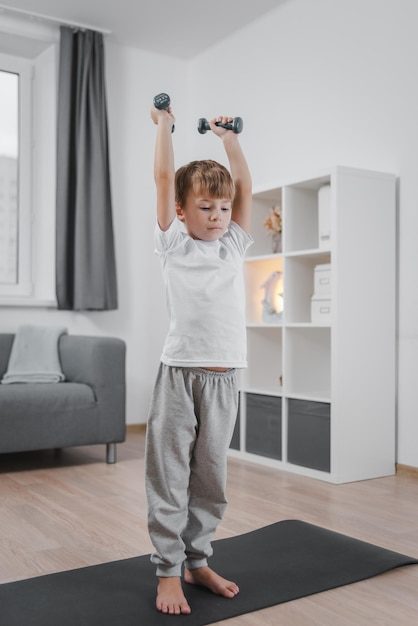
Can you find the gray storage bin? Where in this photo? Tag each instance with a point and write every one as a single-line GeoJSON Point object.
{"type": "Point", "coordinates": [235, 441]}
{"type": "Point", "coordinates": [309, 434]}
{"type": "Point", "coordinates": [264, 425]}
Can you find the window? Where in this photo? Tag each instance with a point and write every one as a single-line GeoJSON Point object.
{"type": "Point", "coordinates": [15, 175]}
{"type": "Point", "coordinates": [29, 55]}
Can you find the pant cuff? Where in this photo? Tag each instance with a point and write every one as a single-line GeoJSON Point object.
{"type": "Point", "coordinates": [195, 563]}
{"type": "Point", "coordinates": [165, 571]}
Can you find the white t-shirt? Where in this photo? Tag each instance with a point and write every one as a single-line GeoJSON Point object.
{"type": "Point", "coordinates": [205, 297]}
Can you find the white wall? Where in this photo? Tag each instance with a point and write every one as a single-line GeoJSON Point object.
{"type": "Point", "coordinates": [332, 81]}
{"type": "Point", "coordinates": [317, 83]}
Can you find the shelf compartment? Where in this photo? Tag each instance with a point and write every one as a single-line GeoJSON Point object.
{"type": "Point", "coordinates": [264, 369]}
{"type": "Point", "coordinates": [301, 206]}
{"type": "Point", "coordinates": [256, 273]}
{"type": "Point", "coordinates": [308, 434]}
{"type": "Point", "coordinates": [263, 425]}
{"type": "Point", "coordinates": [262, 204]}
{"type": "Point", "coordinates": [300, 271]}
{"type": "Point", "coordinates": [308, 361]}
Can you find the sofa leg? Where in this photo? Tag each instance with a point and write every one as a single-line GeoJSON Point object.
{"type": "Point", "coordinates": [110, 453]}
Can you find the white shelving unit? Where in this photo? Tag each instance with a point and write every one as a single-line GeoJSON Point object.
{"type": "Point", "coordinates": [319, 398]}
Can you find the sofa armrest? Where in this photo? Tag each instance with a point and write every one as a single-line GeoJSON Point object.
{"type": "Point", "coordinates": [6, 343]}
{"type": "Point", "coordinates": [100, 363]}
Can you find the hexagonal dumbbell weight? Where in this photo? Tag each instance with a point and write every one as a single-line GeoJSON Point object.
{"type": "Point", "coordinates": [236, 125]}
{"type": "Point", "coordinates": [162, 101]}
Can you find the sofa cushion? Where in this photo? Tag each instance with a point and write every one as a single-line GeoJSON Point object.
{"type": "Point", "coordinates": [23, 398]}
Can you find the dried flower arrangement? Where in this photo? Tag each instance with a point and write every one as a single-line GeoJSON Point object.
{"type": "Point", "coordinates": [273, 222]}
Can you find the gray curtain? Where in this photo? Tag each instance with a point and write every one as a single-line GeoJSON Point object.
{"type": "Point", "coordinates": [85, 254]}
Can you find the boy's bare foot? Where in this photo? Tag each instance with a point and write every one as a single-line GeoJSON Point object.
{"type": "Point", "coordinates": [208, 578]}
{"type": "Point", "coordinates": [170, 597]}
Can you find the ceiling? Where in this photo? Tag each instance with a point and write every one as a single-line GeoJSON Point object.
{"type": "Point", "coordinates": [179, 28]}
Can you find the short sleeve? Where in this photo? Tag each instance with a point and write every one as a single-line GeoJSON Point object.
{"type": "Point", "coordinates": [238, 238]}
{"type": "Point", "coordinates": [168, 239]}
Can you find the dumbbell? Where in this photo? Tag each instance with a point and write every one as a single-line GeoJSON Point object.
{"type": "Point", "coordinates": [162, 101]}
{"type": "Point", "coordinates": [236, 125]}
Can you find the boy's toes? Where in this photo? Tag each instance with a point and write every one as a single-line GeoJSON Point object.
{"type": "Point", "coordinates": [174, 609]}
{"type": "Point", "coordinates": [234, 589]}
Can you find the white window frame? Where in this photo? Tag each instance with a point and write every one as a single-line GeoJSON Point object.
{"type": "Point", "coordinates": [24, 69]}
{"type": "Point", "coordinates": [37, 46]}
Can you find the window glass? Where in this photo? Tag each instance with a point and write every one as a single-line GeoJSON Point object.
{"type": "Point", "coordinates": [9, 172]}
{"type": "Point", "coordinates": [28, 108]}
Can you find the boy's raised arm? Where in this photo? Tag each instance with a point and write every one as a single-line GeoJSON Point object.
{"type": "Point", "coordinates": [164, 172]}
{"type": "Point", "coordinates": [241, 208]}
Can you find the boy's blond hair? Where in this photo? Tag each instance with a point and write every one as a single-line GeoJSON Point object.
{"type": "Point", "coordinates": [203, 178]}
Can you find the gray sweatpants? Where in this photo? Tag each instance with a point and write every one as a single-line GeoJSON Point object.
{"type": "Point", "coordinates": [190, 425]}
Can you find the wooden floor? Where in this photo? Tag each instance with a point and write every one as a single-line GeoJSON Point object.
{"type": "Point", "coordinates": [60, 512]}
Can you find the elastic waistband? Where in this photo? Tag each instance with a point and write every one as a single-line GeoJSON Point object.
{"type": "Point", "coordinates": [209, 372]}
{"type": "Point", "coordinates": [202, 370]}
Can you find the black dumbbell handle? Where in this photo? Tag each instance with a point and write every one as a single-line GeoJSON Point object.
{"type": "Point", "coordinates": [236, 125]}
{"type": "Point", "coordinates": [162, 102]}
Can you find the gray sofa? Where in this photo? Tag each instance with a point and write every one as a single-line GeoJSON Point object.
{"type": "Point", "coordinates": [87, 408]}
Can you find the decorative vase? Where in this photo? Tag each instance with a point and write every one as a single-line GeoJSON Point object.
{"type": "Point", "coordinates": [270, 315]}
{"type": "Point", "coordinates": [276, 243]}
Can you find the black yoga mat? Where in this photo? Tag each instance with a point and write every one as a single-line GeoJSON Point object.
{"type": "Point", "coordinates": [274, 564]}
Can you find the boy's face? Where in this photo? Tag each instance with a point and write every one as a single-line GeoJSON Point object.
{"type": "Point", "coordinates": [205, 218]}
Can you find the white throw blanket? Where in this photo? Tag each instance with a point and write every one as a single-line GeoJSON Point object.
{"type": "Point", "coordinates": [34, 357]}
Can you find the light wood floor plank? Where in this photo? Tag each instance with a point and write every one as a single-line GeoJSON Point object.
{"type": "Point", "coordinates": [70, 510]}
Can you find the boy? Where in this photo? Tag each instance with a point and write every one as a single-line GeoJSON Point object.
{"type": "Point", "coordinates": [195, 400]}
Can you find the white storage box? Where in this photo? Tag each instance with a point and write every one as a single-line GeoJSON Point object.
{"type": "Point", "coordinates": [324, 216]}
{"type": "Point", "coordinates": [322, 279]}
{"type": "Point", "coordinates": [321, 310]}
